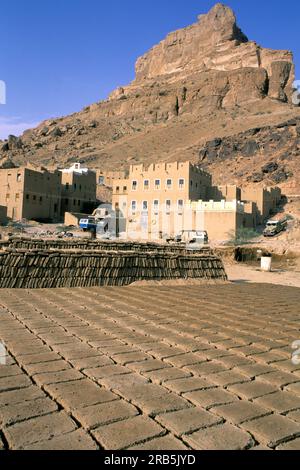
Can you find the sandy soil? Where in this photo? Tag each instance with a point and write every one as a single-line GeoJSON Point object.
{"type": "Point", "coordinates": [178, 282]}
{"type": "Point", "coordinates": [241, 273]}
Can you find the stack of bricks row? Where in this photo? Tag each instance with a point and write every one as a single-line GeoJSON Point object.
{"type": "Point", "coordinates": [52, 268]}
{"type": "Point", "coordinates": [98, 245]}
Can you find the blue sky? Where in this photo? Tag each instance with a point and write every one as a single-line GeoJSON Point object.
{"type": "Point", "coordinates": [58, 56]}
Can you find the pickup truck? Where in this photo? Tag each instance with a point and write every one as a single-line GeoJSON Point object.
{"type": "Point", "coordinates": [274, 227]}
{"type": "Point", "coordinates": [198, 237]}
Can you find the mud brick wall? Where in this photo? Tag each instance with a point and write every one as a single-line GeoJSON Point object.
{"type": "Point", "coordinates": [35, 268]}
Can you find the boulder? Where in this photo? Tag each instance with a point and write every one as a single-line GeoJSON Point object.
{"type": "Point", "coordinates": [250, 148]}
{"type": "Point", "coordinates": [14, 142]}
{"type": "Point", "coordinates": [56, 132]}
{"type": "Point", "coordinates": [270, 167]}
{"type": "Point", "coordinates": [5, 147]}
{"type": "Point", "coordinates": [280, 177]}
{"type": "Point", "coordinates": [256, 178]}
{"type": "Point", "coordinates": [7, 164]}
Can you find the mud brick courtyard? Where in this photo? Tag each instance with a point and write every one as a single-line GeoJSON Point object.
{"type": "Point", "coordinates": [159, 368]}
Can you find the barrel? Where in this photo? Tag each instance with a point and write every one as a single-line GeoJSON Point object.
{"type": "Point", "coordinates": [266, 263]}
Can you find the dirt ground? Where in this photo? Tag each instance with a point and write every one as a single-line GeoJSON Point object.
{"type": "Point", "coordinates": [242, 273]}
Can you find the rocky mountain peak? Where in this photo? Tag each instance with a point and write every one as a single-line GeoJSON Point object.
{"type": "Point", "coordinates": [220, 24]}
{"type": "Point", "coordinates": [216, 43]}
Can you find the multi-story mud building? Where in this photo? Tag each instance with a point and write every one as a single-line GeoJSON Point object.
{"type": "Point", "coordinates": [78, 189]}
{"type": "Point", "coordinates": [35, 193]}
{"type": "Point", "coordinates": [161, 200]}
{"type": "Point", "coordinates": [31, 193]}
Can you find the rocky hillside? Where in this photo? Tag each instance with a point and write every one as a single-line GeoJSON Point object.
{"type": "Point", "coordinates": [205, 93]}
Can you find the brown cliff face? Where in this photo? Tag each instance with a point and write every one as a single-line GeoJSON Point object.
{"type": "Point", "coordinates": [216, 43]}
{"type": "Point", "coordinates": [204, 81]}
{"type": "Point", "coordinates": [194, 48]}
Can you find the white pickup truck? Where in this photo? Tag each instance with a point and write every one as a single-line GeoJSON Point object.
{"type": "Point", "coordinates": [274, 227]}
{"type": "Point", "coordinates": [197, 237]}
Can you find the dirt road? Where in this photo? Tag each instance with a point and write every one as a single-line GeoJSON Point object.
{"type": "Point", "coordinates": [242, 273]}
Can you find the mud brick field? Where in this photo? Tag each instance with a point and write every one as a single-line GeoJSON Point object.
{"type": "Point", "coordinates": [142, 367]}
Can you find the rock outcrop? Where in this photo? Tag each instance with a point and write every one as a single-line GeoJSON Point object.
{"type": "Point", "coordinates": [267, 154]}
{"type": "Point", "coordinates": [216, 43]}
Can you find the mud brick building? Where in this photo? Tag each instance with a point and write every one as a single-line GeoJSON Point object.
{"type": "Point", "coordinates": [78, 189]}
{"type": "Point", "coordinates": [163, 199]}
{"type": "Point", "coordinates": [36, 193]}
{"type": "Point", "coordinates": [107, 178]}
{"type": "Point", "coordinates": [30, 193]}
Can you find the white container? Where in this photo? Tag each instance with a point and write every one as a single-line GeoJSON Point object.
{"type": "Point", "coordinates": [266, 263]}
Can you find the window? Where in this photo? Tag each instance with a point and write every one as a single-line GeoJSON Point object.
{"type": "Point", "coordinates": [181, 183]}
{"type": "Point", "coordinates": [34, 198]}
{"type": "Point", "coordinates": [156, 205]}
{"type": "Point", "coordinates": [169, 184]}
{"type": "Point", "coordinates": [78, 203]}
{"type": "Point", "coordinates": [55, 208]}
{"type": "Point", "coordinates": [145, 205]}
{"type": "Point", "coordinates": [157, 184]}
{"type": "Point", "coordinates": [180, 205]}
{"type": "Point", "coordinates": [27, 197]}
{"type": "Point", "coordinates": [168, 206]}
{"type": "Point", "coordinates": [101, 180]}
{"type": "Point", "coordinates": [17, 196]}
{"type": "Point", "coordinates": [80, 187]}
{"type": "Point", "coordinates": [125, 189]}
{"type": "Point", "coordinates": [191, 183]}
{"type": "Point", "coordinates": [41, 199]}
{"type": "Point", "coordinates": [67, 186]}
{"type": "Point", "coordinates": [117, 189]}
{"type": "Point", "coordinates": [133, 206]}
{"type": "Point", "coordinates": [134, 185]}
{"type": "Point", "coordinates": [75, 186]}
{"type": "Point", "coordinates": [146, 185]}
{"type": "Point", "coordinates": [74, 202]}
{"type": "Point", "coordinates": [19, 177]}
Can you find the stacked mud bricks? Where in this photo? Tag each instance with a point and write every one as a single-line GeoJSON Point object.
{"type": "Point", "coordinates": [53, 264]}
